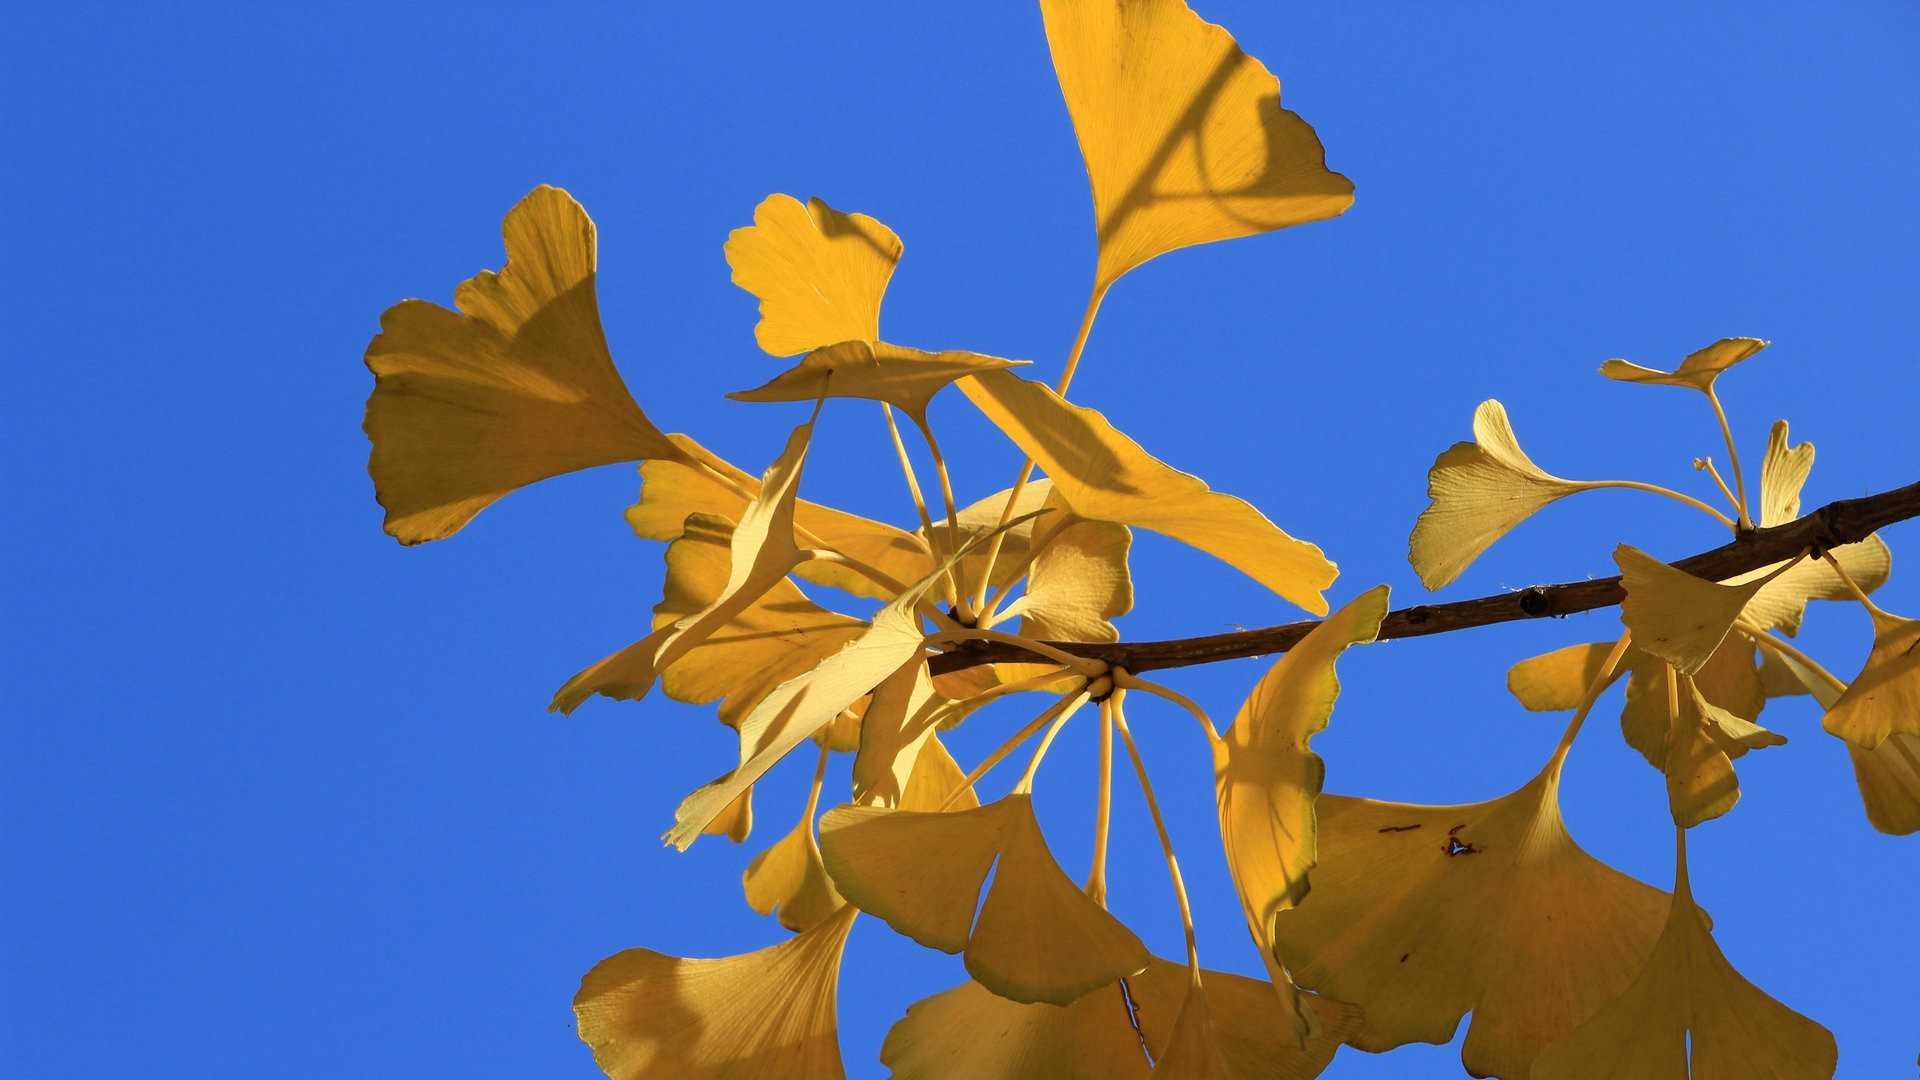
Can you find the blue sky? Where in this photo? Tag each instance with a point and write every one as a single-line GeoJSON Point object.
{"type": "Point", "coordinates": [281, 797]}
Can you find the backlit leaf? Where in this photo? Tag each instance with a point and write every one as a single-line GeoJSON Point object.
{"type": "Point", "coordinates": [788, 876]}
{"type": "Point", "coordinates": [1477, 492]}
{"type": "Point", "coordinates": [1183, 134]}
{"type": "Point", "coordinates": [877, 371]}
{"type": "Point", "coordinates": [893, 730]}
{"type": "Point", "coordinates": [1038, 938]}
{"type": "Point", "coordinates": [1888, 775]}
{"type": "Point", "coordinates": [1674, 615]}
{"type": "Point", "coordinates": [1689, 1013]}
{"type": "Point", "coordinates": [1105, 476]}
{"type": "Point", "coordinates": [1266, 777]}
{"type": "Point", "coordinates": [765, 1013]}
{"type": "Point", "coordinates": [1884, 699]}
{"type": "Point", "coordinates": [1698, 370]}
{"type": "Point", "coordinates": [1420, 914]}
{"type": "Point", "coordinates": [1705, 740]}
{"type": "Point", "coordinates": [516, 386]}
{"type": "Point", "coordinates": [819, 273]}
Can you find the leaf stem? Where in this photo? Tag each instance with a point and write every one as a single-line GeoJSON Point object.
{"type": "Point", "coordinates": [1127, 680]}
{"type": "Point", "coordinates": [1854, 587]}
{"type": "Point", "coordinates": [1601, 680]}
{"type": "Point", "coordinates": [1013, 742]}
{"type": "Point", "coordinates": [1706, 463]}
{"type": "Point", "coordinates": [1733, 457]}
{"type": "Point", "coordinates": [962, 591]}
{"type": "Point", "coordinates": [1656, 489]}
{"type": "Point", "coordinates": [1025, 784]}
{"type": "Point", "coordinates": [1160, 827]}
{"type": "Point", "coordinates": [1768, 641]}
{"type": "Point", "coordinates": [1102, 807]}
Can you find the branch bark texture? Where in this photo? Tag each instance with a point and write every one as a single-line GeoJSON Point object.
{"type": "Point", "coordinates": [1843, 522]}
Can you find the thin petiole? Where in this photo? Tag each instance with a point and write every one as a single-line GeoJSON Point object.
{"type": "Point", "coordinates": [1025, 784]}
{"type": "Point", "coordinates": [1768, 641]}
{"type": "Point", "coordinates": [1019, 686]}
{"type": "Point", "coordinates": [872, 573]}
{"type": "Point", "coordinates": [1102, 807]}
{"type": "Point", "coordinates": [1160, 827]}
{"type": "Point", "coordinates": [1071, 700]}
{"type": "Point", "coordinates": [1733, 458]}
{"type": "Point", "coordinates": [1707, 465]}
{"type": "Point", "coordinates": [1127, 680]}
{"type": "Point", "coordinates": [1601, 680]}
{"type": "Point", "coordinates": [961, 591]}
{"type": "Point", "coordinates": [1656, 489]}
{"type": "Point", "coordinates": [1853, 586]}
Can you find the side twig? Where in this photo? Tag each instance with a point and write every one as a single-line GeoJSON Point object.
{"type": "Point", "coordinates": [1846, 521]}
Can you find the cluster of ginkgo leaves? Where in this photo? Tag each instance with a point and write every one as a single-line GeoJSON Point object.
{"type": "Point", "coordinates": [1417, 915]}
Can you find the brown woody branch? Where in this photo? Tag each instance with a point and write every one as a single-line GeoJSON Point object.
{"type": "Point", "coordinates": [1837, 523]}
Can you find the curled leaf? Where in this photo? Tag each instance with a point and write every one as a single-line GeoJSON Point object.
{"type": "Point", "coordinates": [765, 1013]}
{"type": "Point", "coordinates": [1698, 370]}
{"type": "Point", "coordinates": [514, 387]}
{"type": "Point", "coordinates": [1105, 476]}
{"type": "Point", "coordinates": [1266, 777]}
{"type": "Point", "coordinates": [820, 274]}
{"type": "Point", "coordinates": [877, 371]}
{"type": "Point", "coordinates": [1689, 1013]}
{"type": "Point", "coordinates": [1183, 134]}
{"type": "Point", "coordinates": [1884, 699]}
{"type": "Point", "coordinates": [1675, 616]}
{"type": "Point", "coordinates": [893, 730]}
{"type": "Point", "coordinates": [1038, 938]}
{"type": "Point", "coordinates": [1420, 914]}
{"type": "Point", "coordinates": [1477, 492]}
{"type": "Point", "coordinates": [1705, 740]}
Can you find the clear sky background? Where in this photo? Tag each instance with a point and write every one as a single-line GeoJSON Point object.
{"type": "Point", "coordinates": [280, 798]}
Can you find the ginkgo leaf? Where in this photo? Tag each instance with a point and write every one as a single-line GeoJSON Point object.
{"type": "Point", "coordinates": [1078, 581]}
{"type": "Point", "coordinates": [1266, 777]}
{"type": "Point", "coordinates": [1888, 775]}
{"type": "Point", "coordinates": [934, 778]}
{"type": "Point", "coordinates": [1689, 1013]}
{"type": "Point", "coordinates": [1558, 681]}
{"type": "Point", "coordinates": [1699, 755]}
{"type": "Point", "coordinates": [1477, 492]}
{"type": "Point", "coordinates": [1016, 548]}
{"type": "Point", "coordinates": [765, 1013]}
{"type": "Point", "coordinates": [971, 1031]}
{"type": "Point", "coordinates": [1781, 602]}
{"type": "Point", "coordinates": [516, 386]}
{"type": "Point", "coordinates": [1674, 615]}
{"type": "Point", "coordinates": [1698, 370]}
{"type": "Point", "coordinates": [1783, 473]}
{"type": "Point", "coordinates": [762, 553]}
{"type": "Point", "coordinates": [1105, 476]}
{"type": "Point", "coordinates": [1884, 699]}
{"type": "Point", "coordinates": [1420, 914]}
{"type": "Point", "coordinates": [1183, 134]}
{"type": "Point", "coordinates": [788, 876]}
{"type": "Point", "coordinates": [877, 371]}
{"type": "Point", "coordinates": [1038, 937]}
{"type": "Point", "coordinates": [819, 273]}
{"type": "Point", "coordinates": [672, 490]}
{"type": "Point", "coordinates": [892, 732]}
{"type": "Point", "coordinates": [802, 705]}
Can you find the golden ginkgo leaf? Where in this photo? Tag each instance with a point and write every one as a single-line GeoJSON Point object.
{"type": "Point", "coordinates": [819, 273]}
{"type": "Point", "coordinates": [1888, 775]}
{"type": "Point", "coordinates": [1674, 615]}
{"type": "Point", "coordinates": [1699, 754]}
{"type": "Point", "coordinates": [516, 386]}
{"type": "Point", "coordinates": [761, 554]}
{"type": "Point", "coordinates": [789, 877]}
{"type": "Point", "coordinates": [1265, 776]}
{"type": "Point", "coordinates": [971, 1031]}
{"type": "Point", "coordinates": [1183, 134]}
{"type": "Point", "coordinates": [978, 519]}
{"type": "Point", "coordinates": [765, 1013]}
{"type": "Point", "coordinates": [1105, 476]}
{"type": "Point", "coordinates": [1689, 1013]}
{"type": "Point", "coordinates": [1783, 473]}
{"type": "Point", "coordinates": [1781, 602]}
{"type": "Point", "coordinates": [874, 370]}
{"type": "Point", "coordinates": [1698, 370]}
{"type": "Point", "coordinates": [1038, 937]}
{"type": "Point", "coordinates": [1420, 914]}
{"type": "Point", "coordinates": [893, 731]}
{"type": "Point", "coordinates": [807, 702]}
{"type": "Point", "coordinates": [1477, 492]}
{"type": "Point", "coordinates": [1884, 699]}
{"type": "Point", "coordinates": [1078, 582]}
{"type": "Point", "coordinates": [671, 490]}
{"type": "Point", "coordinates": [935, 776]}
{"type": "Point", "coordinates": [1558, 681]}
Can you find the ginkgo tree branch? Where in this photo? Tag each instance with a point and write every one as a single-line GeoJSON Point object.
{"type": "Point", "coordinates": [1845, 521]}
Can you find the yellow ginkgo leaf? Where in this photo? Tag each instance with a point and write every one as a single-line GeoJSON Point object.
{"type": "Point", "coordinates": [1698, 370]}
{"type": "Point", "coordinates": [971, 1031]}
{"type": "Point", "coordinates": [1477, 492]}
{"type": "Point", "coordinates": [1183, 134]}
{"type": "Point", "coordinates": [672, 490]}
{"type": "Point", "coordinates": [1105, 476]}
{"type": "Point", "coordinates": [819, 273]}
{"type": "Point", "coordinates": [1420, 914]}
{"type": "Point", "coordinates": [1078, 582]}
{"type": "Point", "coordinates": [1705, 740]}
{"type": "Point", "coordinates": [978, 519]}
{"type": "Point", "coordinates": [1266, 778]}
{"type": "Point", "coordinates": [1888, 775]}
{"type": "Point", "coordinates": [1781, 602]}
{"type": "Point", "coordinates": [935, 776]}
{"type": "Point", "coordinates": [516, 386]}
{"type": "Point", "coordinates": [1038, 937]}
{"type": "Point", "coordinates": [1558, 681]}
{"type": "Point", "coordinates": [1675, 616]}
{"type": "Point", "coordinates": [762, 553]}
{"type": "Point", "coordinates": [1783, 473]}
{"type": "Point", "coordinates": [893, 730]}
{"type": "Point", "coordinates": [788, 876]}
{"type": "Point", "coordinates": [877, 371]}
{"type": "Point", "coordinates": [765, 1013]}
{"type": "Point", "coordinates": [1689, 1013]}
{"type": "Point", "coordinates": [1884, 699]}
